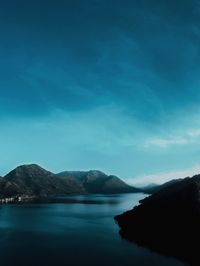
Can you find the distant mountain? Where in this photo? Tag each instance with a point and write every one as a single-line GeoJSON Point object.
{"type": "Point", "coordinates": [153, 188]}
{"type": "Point", "coordinates": [167, 221]}
{"type": "Point", "coordinates": [95, 181]}
{"type": "Point", "coordinates": [34, 180]}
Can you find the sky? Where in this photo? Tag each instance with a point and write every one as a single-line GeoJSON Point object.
{"type": "Point", "coordinates": [101, 84]}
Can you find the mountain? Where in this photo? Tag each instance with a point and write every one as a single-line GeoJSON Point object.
{"type": "Point", "coordinates": [153, 188]}
{"type": "Point", "coordinates": [35, 181]}
{"type": "Point", "coordinates": [95, 181]}
{"type": "Point", "coordinates": [8, 189]}
{"type": "Point", "coordinates": [167, 221]}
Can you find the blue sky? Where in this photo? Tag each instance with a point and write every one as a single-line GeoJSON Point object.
{"type": "Point", "coordinates": [110, 85]}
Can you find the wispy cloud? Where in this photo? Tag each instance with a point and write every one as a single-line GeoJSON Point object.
{"type": "Point", "coordinates": [194, 133]}
{"type": "Point", "coordinates": [188, 137]}
{"type": "Point", "coordinates": [162, 177]}
{"type": "Point", "coordinates": [164, 143]}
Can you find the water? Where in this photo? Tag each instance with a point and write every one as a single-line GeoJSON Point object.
{"type": "Point", "coordinates": [81, 232]}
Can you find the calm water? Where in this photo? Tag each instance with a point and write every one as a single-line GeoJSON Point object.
{"type": "Point", "coordinates": [82, 232]}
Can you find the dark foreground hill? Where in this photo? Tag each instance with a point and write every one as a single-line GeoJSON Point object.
{"type": "Point", "coordinates": [98, 182]}
{"type": "Point", "coordinates": [168, 221]}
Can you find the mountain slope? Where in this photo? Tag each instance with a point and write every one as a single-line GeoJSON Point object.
{"type": "Point", "coordinates": [34, 180]}
{"type": "Point", "coordinates": [98, 182]}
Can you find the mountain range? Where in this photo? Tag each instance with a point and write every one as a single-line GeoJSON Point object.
{"type": "Point", "coordinates": [33, 180]}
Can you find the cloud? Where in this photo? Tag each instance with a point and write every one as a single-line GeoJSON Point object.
{"type": "Point", "coordinates": [194, 133]}
{"type": "Point", "coordinates": [137, 57]}
{"type": "Point", "coordinates": [162, 177]}
{"type": "Point", "coordinates": [190, 136]}
{"type": "Point", "coordinates": [127, 85]}
{"type": "Point", "coordinates": [164, 143]}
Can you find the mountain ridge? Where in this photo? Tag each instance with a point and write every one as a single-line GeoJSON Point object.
{"type": "Point", "coordinates": [153, 188]}
{"type": "Point", "coordinates": [95, 181]}
{"type": "Point", "coordinates": [33, 180]}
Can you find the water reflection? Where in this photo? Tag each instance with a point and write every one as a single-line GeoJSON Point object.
{"type": "Point", "coordinates": [80, 232]}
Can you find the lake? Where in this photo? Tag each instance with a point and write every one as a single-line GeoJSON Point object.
{"type": "Point", "coordinates": [80, 232]}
